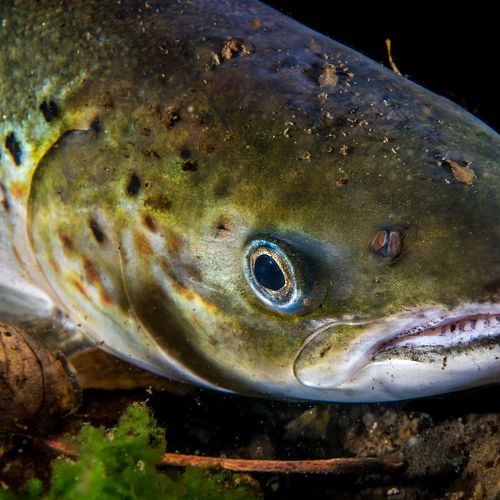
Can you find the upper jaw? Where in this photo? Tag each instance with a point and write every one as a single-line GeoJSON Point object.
{"type": "Point", "coordinates": [323, 362]}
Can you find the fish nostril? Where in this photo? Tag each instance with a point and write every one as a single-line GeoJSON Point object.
{"type": "Point", "coordinates": [387, 243]}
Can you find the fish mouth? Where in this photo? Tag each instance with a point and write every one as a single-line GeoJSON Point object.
{"type": "Point", "coordinates": [425, 343]}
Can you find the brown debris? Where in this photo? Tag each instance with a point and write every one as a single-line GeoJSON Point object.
{"type": "Point", "coordinates": [463, 174]}
{"type": "Point", "coordinates": [236, 47]}
{"type": "Point", "coordinates": [35, 384]}
{"type": "Point", "coordinates": [171, 116]}
{"type": "Point", "coordinates": [344, 150]}
{"type": "Point", "coordinates": [391, 60]}
{"type": "Point", "coordinates": [328, 77]}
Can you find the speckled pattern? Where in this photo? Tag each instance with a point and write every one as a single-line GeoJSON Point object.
{"type": "Point", "coordinates": [181, 130]}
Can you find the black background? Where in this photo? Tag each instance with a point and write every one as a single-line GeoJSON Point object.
{"type": "Point", "coordinates": [449, 49]}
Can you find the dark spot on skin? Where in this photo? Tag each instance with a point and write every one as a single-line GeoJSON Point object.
{"type": "Point", "coordinates": [66, 242]}
{"type": "Point", "coordinates": [5, 201]}
{"type": "Point", "coordinates": [185, 154]}
{"type": "Point", "coordinates": [96, 126]}
{"type": "Point", "coordinates": [222, 229]}
{"type": "Point", "coordinates": [96, 231]}
{"type": "Point", "coordinates": [160, 202]}
{"type": "Point", "coordinates": [146, 131]}
{"type": "Point", "coordinates": [14, 148]}
{"type": "Point", "coordinates": [150, 223]}
{"type": "Point", "coordinates": [189, 166]}
{"type": "Point", "coordinates": [134, 185]}
{"type": "Point", "coordinates": [49, 110]}
{"type": "Point", "coordinates": [7, 333]}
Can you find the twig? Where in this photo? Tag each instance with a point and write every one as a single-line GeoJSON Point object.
{"type": "Point", "coordinates": [388, 464]}
{"type": "Point", "coordinates": [391, 60]}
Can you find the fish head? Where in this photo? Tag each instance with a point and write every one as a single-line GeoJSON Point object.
{"type": "Point", "coordinates": [299, 228]}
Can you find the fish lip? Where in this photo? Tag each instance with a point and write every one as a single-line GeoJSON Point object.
{"type": "Point", "coordinates": [449, 329]}
{"type": "Point", "coordinates": [386, 334]}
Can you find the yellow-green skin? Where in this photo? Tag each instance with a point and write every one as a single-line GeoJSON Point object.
{"type": "Point", "coordinates": [170, 151]}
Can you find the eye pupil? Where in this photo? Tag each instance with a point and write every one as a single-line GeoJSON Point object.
{"type": "Point", "coordinates": [268, 273]}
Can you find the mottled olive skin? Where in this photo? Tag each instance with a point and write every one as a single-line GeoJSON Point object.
{"type": "Point", "coordinates": [172, 151]}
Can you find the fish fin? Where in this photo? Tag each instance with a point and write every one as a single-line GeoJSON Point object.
{"type": "Point", "coordinates": [29, 308]}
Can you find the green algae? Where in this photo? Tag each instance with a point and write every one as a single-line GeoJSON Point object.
{"type": "Point", "coordinates": [121, 463]}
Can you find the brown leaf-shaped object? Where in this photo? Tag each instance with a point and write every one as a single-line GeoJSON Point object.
{"type": "Point", "coordinates": [35, 384]}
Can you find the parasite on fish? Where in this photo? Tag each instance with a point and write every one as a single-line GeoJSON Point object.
{"type": "Point", "coordinates": [218, 194]}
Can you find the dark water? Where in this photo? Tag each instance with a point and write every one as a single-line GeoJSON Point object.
{"type": "Point", "coordinates": [451, 51]}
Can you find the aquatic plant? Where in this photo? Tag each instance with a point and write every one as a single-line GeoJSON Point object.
{"type": "Point", "coordinates": [121, 463]}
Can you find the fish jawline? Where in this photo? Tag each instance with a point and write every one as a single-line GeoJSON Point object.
{"type": "Point", "coordinates": [379, 365]}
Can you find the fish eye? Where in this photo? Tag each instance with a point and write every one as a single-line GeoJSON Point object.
{"type": "Point", "coordinates": [280, 276]}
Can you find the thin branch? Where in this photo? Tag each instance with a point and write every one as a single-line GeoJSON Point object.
{"type": "Point", "coordinates": [388, 464]}
{"type": "Point", "coordinates": [391, 60]}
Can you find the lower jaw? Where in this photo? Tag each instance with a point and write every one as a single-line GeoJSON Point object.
{"type": "Point", "coordinates": [425, 353]}
{"type": "Point", "coordinates": [452, 336]}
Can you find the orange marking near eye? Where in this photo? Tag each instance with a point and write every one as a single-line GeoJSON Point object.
{"type": "Point", "coordinates": [142, 244]}
{"type": "Point", "coordinates": [80, 287]}
{"type": "Point", "coordinates": [17, 190]}
{"type": "Point", "coordinates": [105, 298]}
{"type": "Point", "coordinates": [90, 271]}
{"type": "Point", "coordinates": [174, 243]}
{"type": "Point", "coordinates": [16, 254]}
{"type": "Point", "coordinates": [55, 266]}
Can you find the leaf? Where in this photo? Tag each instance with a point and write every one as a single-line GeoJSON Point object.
{"type": "Point", "coordinates": [35, 384]}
